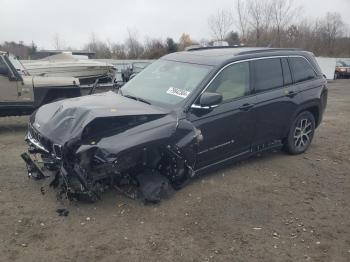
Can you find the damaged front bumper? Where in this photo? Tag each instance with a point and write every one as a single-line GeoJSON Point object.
{"type": "Point", "coordinates": [139, 155]}
{"type": "Point", "coordinates": [73, 182]}
{"type": "Point", "coordinates": [39, 160]}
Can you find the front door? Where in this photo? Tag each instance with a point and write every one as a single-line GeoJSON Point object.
{"type": "Point", "coordinates": [227, 129]}
{"type": "Point", "coordinates": [8, 88]}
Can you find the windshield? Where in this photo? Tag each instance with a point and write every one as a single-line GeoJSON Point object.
{"type": "Point", "coordinates": [343, 62]}
{"type": "Point", "coordinates": [166, 82]}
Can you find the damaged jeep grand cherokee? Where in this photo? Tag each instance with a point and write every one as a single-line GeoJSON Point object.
{"type": "Point", "coordinates": [185, 114]}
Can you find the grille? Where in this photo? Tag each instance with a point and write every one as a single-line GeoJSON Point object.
{"type": "Point", "coordinates": [46, 143]}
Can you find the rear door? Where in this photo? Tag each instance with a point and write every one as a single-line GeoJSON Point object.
{"type": "Point", "coordinates": [276, 100]}
{"type": "Point", "coordinates": [305, 78]}
{"type": "Point", "coordinates": [227, 129]}
{"type": "Point", "coordinates": [8, 88]}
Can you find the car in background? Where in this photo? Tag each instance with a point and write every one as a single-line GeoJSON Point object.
{"type": "Point", "coordinates": [342, 69]}
{"type": "Point", "coordinates": [133, 69]}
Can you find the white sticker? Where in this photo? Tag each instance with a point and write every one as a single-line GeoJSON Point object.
{"type": "Point", "coordinates": [177, 92]}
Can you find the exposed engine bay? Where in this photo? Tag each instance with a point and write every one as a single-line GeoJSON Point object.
{"type": "Point", "coordinates": [137, 149]}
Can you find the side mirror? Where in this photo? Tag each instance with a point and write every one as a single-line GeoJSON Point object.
{"type": "Point", "coordinates": [208, 101]}
{"type": "Point", "coordinates": [4, 71]}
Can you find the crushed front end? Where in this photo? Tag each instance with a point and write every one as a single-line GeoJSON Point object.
{"type": "Point", "coordinates": [84, 152]}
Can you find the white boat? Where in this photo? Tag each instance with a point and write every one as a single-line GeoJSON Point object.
{"type": "Point", "coordinates": [65, 64]}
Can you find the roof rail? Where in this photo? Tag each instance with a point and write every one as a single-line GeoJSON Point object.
{"type": "Point", "coordinates": [196, 48]}
{"type": "Point", "coordinates": [268, 49]}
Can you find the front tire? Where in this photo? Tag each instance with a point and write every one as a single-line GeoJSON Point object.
{"type": "Point", "coordinates": [300, 134]}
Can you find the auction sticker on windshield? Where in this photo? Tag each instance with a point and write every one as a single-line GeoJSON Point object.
{"type": "Point", "coordinates": [177, 92]}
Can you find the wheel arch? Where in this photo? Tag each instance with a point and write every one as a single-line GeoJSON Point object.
{"type": "Point", "coordinates": [314, 108]}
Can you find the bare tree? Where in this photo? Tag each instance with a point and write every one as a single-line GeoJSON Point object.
{"type": "Point", "coordinates": [333, 26]}
{"type": "Point", "coordinates": [220, 24]}
{"type": "Point", "coordinates": [242, 18]}
{"type": "Point", "coordinates": [133, 46]}
{"type": "Point", "coordinates": [259, 18]}
{"type": "Point", "coordinates": [58, 43]}
{"type": "Point", "coordinates": [283, 12]}
{"type": "Point", "coordinates": [118, 51]}
{"type": "Point", "coordinates": [92, 45]}
{"type": "Point", "coordinates": [100, 48]}
{"type": "Point", "coordinates": [18, 49]}
{"type": "Point", "coordinates": [154, 48]}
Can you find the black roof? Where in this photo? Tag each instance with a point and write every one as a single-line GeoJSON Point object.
{"type": "Point", "coordinates": [218, 55]}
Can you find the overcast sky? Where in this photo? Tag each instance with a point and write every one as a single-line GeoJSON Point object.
{"type": "Point", "coordinates": [75, 20]}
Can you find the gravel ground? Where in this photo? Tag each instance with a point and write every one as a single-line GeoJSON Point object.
{"type": "Point", "coordinates": [273, 207]}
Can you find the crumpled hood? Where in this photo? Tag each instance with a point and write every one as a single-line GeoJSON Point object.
{"type": "Point", "coordinates": [66, 119]}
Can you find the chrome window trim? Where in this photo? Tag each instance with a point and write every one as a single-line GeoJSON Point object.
{"type": "Point", "coordinates": [253, 59]}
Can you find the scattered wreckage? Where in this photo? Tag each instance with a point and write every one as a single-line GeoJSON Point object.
{"type": "Point", "coordinates": [181, 116]}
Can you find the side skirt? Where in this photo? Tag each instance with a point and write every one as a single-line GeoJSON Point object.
{"type": "Point", "coordinates": [238, 157]}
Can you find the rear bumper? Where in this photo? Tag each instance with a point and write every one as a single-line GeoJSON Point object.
{"type": "Point", "coordinates": [343, 74]}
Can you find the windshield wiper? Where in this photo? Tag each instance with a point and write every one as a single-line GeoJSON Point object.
{"type": "Point", "coordinates": [138, 99]}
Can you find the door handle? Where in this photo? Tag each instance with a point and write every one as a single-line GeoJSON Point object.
{"type": "Point", "coordinates": [291, 94]}
{"type": "Point", "coordinates": [246, 107]}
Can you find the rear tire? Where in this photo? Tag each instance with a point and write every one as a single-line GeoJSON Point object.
{"type": "Point", "coordinates": [300, 134]}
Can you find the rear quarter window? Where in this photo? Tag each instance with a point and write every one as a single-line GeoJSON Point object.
{"type": "Point", "coordinates": [302, 70]}
{"type": "Point", "coordinates": [267, 74]}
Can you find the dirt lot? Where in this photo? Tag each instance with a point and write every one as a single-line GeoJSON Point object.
{"type": "Point", "coordinates": [273, 207]}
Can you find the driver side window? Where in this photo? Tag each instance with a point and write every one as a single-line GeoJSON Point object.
{"type": "Point", "coordinates": [233, 82]}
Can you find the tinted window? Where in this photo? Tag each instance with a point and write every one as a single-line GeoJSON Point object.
{"type": "Point", "coordinates": [232, 82]}
{"type": "Point", "coordinates": [267, 74]}
{"type": "Point", "coordinates": [286, 72]}
{"type": "Point", "coordinates": [301, 68]}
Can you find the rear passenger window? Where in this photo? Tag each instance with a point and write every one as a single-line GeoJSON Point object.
{"type": "Point", "coordinates": [287, 77]}
{"type": "Point", "coordinates": [232, 82]}
{"type": "Point", "coordinates": [267, 74]}
{"type": "Point", "coordinates": [302, 69]}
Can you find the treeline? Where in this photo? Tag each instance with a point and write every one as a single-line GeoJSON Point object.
{"type": "Point", "coordinates": [133, 48]}
{"type": "Point", "coordinates": [19, 49]}
{"type": "Point", "coordinates": [280, 23]}
{"type": "Point", "coordinates": [269, 23]}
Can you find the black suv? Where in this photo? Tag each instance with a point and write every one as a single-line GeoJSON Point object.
{"type": "Point", "coordinates": [183, 115]}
